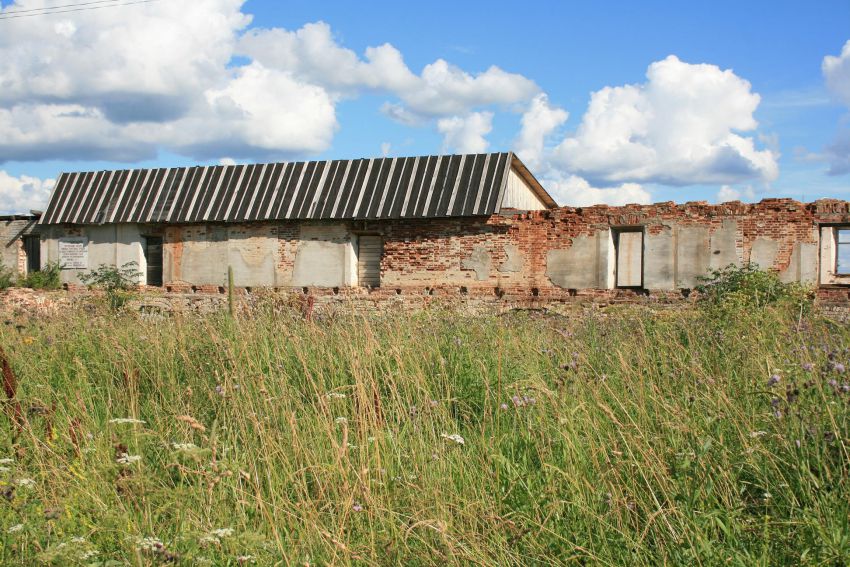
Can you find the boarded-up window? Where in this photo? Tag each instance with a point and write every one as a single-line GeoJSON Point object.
{"type": "Point", "coordinates": [629, 258]}
{"type": "Point", "coordinates": [369, 251]}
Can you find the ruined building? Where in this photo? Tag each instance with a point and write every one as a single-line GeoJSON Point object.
{"type": "Point", "coordinates": [479, 225]}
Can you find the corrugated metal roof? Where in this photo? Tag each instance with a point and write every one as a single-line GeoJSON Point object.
{"type": "Point", "coordinates": [382, 188]}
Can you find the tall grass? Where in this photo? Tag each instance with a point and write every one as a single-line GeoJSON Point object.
{"type": "Point", "coordinates": [630, 437]}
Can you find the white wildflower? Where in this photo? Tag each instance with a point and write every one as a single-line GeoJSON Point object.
{"type": "Point", "coordinates": [755, 434]}
{"type": "Point", "coordinates": [150, 544]}
{"type": "Point", "coordinates": [126, 459]}
{"type": "Point", "coordinates": [78, 539]}
{"type": "Point", "coordinates": [222, 532]}
{"type": "Point", "coordinates": [184, 446]}
{"type": "Point", "coordinates": [25, 482]}
{"type": "Point", "coordinates": [15, 528]}
{"type": "Point", "coordinates": [336, 395]}
{"type": "Point", "coordinates": [340, 420]}
{"type": "Point", "coordinates": [4, 469]}
{"type": "Point", "coordinates": [6, 461]}
{"type": "Point", "coordinates": [88, 554]}
{"type": "Point", "coordinates": [123, 420]}
{"type": "Point", "coordinates": [454, 437]}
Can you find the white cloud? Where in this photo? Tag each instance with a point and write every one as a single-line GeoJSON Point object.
{"type": "Point", "coordinates": [577, 192]}
{"type": "Point", "coordinates": [386, 148]}
{"type": "Point", "coordinates": [21, 194]}
{"type": "Point", "coordinates": [465, 134]}
{"type": "Point", "coordinates": [311, 53]}
{"type": "Point", "coordinates": [681, 127]}
{"type": "Point", "coordinates": [836, 72]}
{"type": "Point", "coordinates": [538, 122]}
{"type": "Point", "coordinates": [728, 193]}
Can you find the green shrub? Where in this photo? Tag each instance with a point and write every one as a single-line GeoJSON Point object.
{"type": "Point", "coordinates": [7, 276]}
{"type": "Point", "coordinates": [118, 283]}
{"type": "Point", "coordinates": [747, 286]}
{"type": "Point", "coordinates": [46, 278]}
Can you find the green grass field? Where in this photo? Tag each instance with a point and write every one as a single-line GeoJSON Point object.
{"type": "Point", "coordinates": [630, 437]}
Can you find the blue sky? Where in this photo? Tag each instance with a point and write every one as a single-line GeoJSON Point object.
{"type": "Point", "coordinates": [758, 120]}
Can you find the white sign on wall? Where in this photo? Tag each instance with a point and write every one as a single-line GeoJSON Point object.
{"type": "Point", "coordinates": [74, 253]}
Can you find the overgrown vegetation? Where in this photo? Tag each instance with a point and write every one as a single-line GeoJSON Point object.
{"type": "Point", "coordinates": [117, 283]}
{"type": "Point", "coordinates": [46, 278]}
{"type": "Point", "coordinates": [7, 276]}
{"type": "Point", "coordinates": [734, 288]}
{"type": "Point", "coordinates": [630, 437]}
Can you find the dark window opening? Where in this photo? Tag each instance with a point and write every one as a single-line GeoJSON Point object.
{"type": "Point", "coordinates": [32, 250]}
{"type": "Point", "coordinates": [842, 251]}
{"type": "Point", "coordinates": [153, 259]}
{"type": "Point", "coordinates": [628, 248]}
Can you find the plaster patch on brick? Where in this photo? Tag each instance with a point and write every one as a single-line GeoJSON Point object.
{"type": "Point", "coordinates": [763, 252]}
{"type": "Point", "coordinates": [574, 267]}
{"type": "Point", "coordinates": [479, 261]}
{"type": "Point", "coordinates": [513, 261]}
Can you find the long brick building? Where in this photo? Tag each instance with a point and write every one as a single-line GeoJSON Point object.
{"type": "Point", "coordinates": [464, 224]}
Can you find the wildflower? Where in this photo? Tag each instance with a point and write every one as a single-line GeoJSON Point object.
{"type": "Point", "coordinates": [503, 406]}
{"type": "Point", "coordinates": [357, 507]}
{"type": "Point", "coordinates": [755, 434]}
{"type": "Point", "coordinates": [6, 461]}
{"type": "Point", "coordinates": [15, 528]}
{"type": "Point", "coordinates": [78, 539]}
{"type": "Point", "coordinates": [29, 340]}
{"type": "Point", "coordinates": [25, 482]}
{"type": "Point", "coordinates": [336, 395]}
{"type": "Point", "coordinates": [773, 380]}
{"type": "Point", "coordinates": [454, 437]}
{"type": "Point", "coordinates": [88, 554]}
{"type": "Point", "coordinates": [4, 469]}
{"type": "Point", "coordinates": [243, 559]}
{"type": "Point", "coordinates": [184, 446]}
{"type": "Point", "coordinates": [219, 389]}
{"type": "Point", "coordinates": [833, 383]}
{"type": "Point", "coordinates": [838, 367]}
{"type": "Point", "coordinates": [150, 544]}
{"type": "Point", "coordinates": [222, 532]}
{"type": "Point", "coordinates": [434, 403]}
{"type": "Point", "coordinates": [123, 420]}
{"type": "Point", "coordinates": [340, 420]}
{"type": "Point", "coordinates": [808, 366]}
{"type": "Point", "coordinates": [192, 422]}
{"type": "Point", "coordinates": [127, 459]}
{"type": "Point", "coordinates": [767, 496]}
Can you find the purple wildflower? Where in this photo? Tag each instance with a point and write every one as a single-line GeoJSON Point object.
{"type": "Point", "coordinates": [838, 367]}
{"type": "Point", "coordinates": [833, 383]}
{"type": "Point", "coordinates": [808, 366]}
{"type": "Point", "coordinates": [773, 380]}
{"type": "Point", "coordinates": [357, 508]}
{"type": "Point", "coordinates": [503, 406]}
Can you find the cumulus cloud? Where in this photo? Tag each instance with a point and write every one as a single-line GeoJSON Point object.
{"type": "Point", "coordinates": [123, 85]}
{"type": "Point", "coordinates": [465, 134]}
{"type": "Point", "coordinates": [441, 89]}
{"type": "Point", "coordinates": [681, 127]}
{"type": "Point", "coordinates": [728, 193]}
{"type": "Point", "coordinates": [578, 192]}
{"type": "Point", "coordinates": [21, 194]}
{"type": "Point", "coordinates": [836, 72]}
{"type": "Point", "coordinates": [538, 122]}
